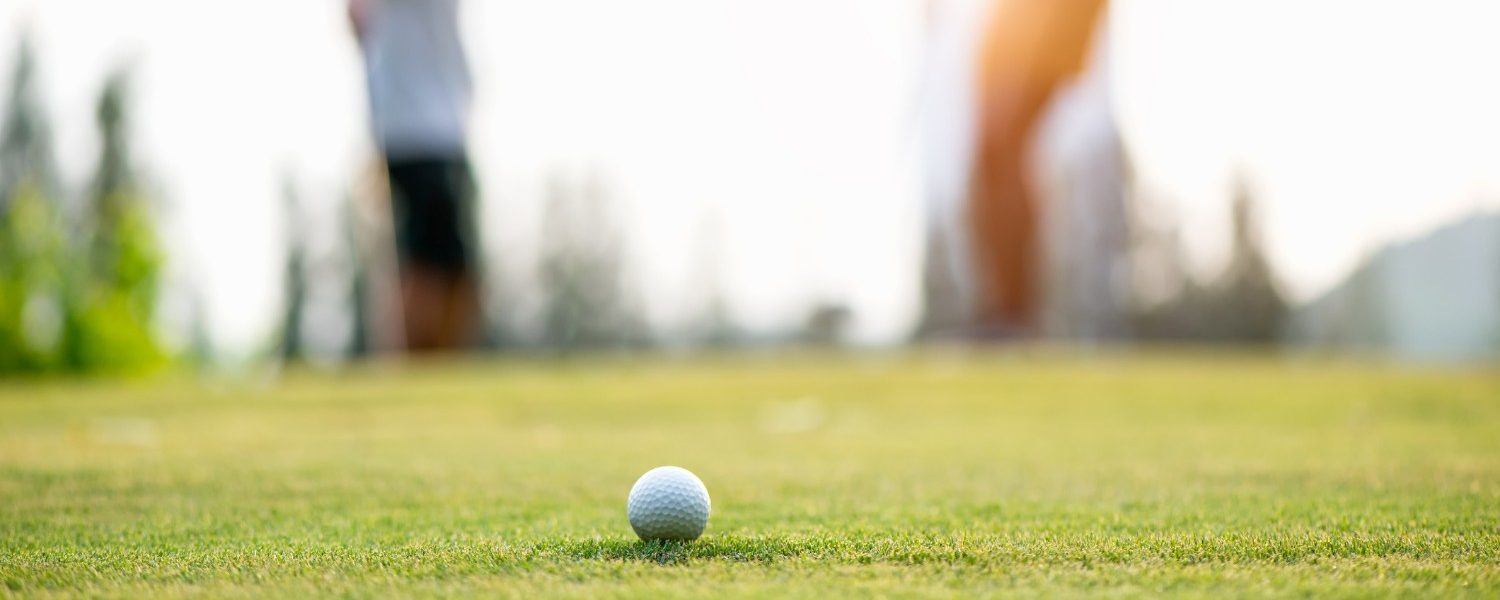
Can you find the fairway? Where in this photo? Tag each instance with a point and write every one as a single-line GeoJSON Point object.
{"type": "Point", "coordinates": [912, 474]}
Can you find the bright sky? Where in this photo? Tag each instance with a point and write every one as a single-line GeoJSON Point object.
{"type": "Point", "coordinates": [1357, 122]}
{"type": "Point", "coordinates": [789, 126]}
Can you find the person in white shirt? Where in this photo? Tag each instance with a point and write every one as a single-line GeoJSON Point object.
{"type": "Point", "coordinates": [420, 91]}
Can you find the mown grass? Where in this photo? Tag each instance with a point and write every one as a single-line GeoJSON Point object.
{"type": "Point", "coordinates": [925, 474]}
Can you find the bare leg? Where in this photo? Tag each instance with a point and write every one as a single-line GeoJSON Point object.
{"type": "Point", "coordinates": [440, 308]}
{"type": "Point", "coordinates": [461, 319]}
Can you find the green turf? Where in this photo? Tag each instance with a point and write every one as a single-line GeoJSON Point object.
{"type": "Point", "coordinates": [927, 474]}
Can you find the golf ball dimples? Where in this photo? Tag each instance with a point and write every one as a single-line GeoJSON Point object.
{"type": "Point", "coordinates": [668, 503]}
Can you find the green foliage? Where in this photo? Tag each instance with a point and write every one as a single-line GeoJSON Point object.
{"type": "Point", "coordinates": [77, 293]}
{"type": "Point", "coordinates": [893, 477]}
{"type": "Point", "coordinates": [61, 311]}
{"type": "Point", "coordinates": [33, 266]}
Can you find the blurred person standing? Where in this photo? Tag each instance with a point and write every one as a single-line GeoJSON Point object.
{"type": "Point", "coordinates": [420, 90]}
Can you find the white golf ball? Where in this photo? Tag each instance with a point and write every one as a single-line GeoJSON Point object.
{"type": "Point", "coordinates": [668, 503]}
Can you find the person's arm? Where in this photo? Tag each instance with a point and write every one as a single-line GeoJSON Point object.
{"type": "Point", "coordinates": [359, 17]}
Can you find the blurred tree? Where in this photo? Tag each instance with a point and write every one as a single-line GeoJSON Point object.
{"type": "Point", "coordinates": [1243, 305]}
{"type": "Point", "coordinates": [361, 339]}
{"type": "Point", "coordinates": [32, 240]}
{"type": "Point", "coordinates": [109, 321]}
{"type": "Point", "coordinates": [76, 294]}
{"type": "Point", "coordinates": [827, 324]}
{"type": "Point", "coordinates": [26, 138]}
{"type": "Point", "coordinates": [713, 325]}
{"type": "Point", "coordinates": [294, 277]}
{"type": "Point", "coordinates": [584, 304]}
{"type": "Point", "coordinates": [115, 173]}
{"type": "Point", "coordinates": [33, 262]}
{"type": "Point", "coordinates": [1253, 308]}
{"type": "Point", "coordinates": [200, 347]}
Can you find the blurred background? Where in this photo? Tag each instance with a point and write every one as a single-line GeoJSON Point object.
{"type": "Point", "coordinates": [213, 183]}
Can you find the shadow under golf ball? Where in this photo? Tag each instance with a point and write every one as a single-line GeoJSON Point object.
{"type": "Point", "coordinates": [668, 552]}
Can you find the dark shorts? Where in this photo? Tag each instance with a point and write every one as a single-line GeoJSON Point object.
{"type": "Point", "coordinates": [432, 207]}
